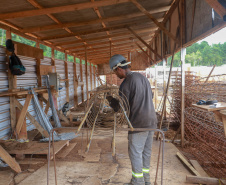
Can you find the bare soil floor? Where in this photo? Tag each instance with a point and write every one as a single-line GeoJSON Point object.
{"type": "Point", "coordinates": [99, 167]}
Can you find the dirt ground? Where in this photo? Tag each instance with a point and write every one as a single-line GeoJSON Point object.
{"type": "Point", "coordinates": [98, 166]}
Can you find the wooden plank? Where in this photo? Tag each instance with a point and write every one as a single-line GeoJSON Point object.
{"type": "Point", "coordinates": [7, 177]}
{"type": "Point", "coordinates": [182, 158]}
{"type": "Point", "coordinates": [41, 148]}
{"type": "Point", "coordinates": [72, 7]}
{"type": "Point", "coordinates": [204, 180]}
{"type": "Point", "coordinates": [160, 25]}
{"type": "Point", "coordinates": [28, 51]}
{"type": "Point", "coordinates": [199, 168]}
{"type": "Point", "coordinates": [66, 150]}
{"type": "Point", "coordinates": [220, 106]}
{"type": "Point", "coordinates": [95, 21]}
{"type": "Point", "coordinates": [23, 113]}
{"type": "Point", "coordinates": [32, 120]}
{"type": "Point", "coordinates": [45, 70]}
{"type": "Point", "coordinates": [23, 132]}
{"type": "Point", "coordinates": [9, 160]}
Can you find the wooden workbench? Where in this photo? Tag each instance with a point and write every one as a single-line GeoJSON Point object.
{"type": "Point", "coordinates": [219, 112]}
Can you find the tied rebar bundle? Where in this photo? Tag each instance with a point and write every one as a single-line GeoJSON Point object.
{"type": "Point", "coordinates": [103, 111]}
{"type": "Point", "coordinates": [207, 141]}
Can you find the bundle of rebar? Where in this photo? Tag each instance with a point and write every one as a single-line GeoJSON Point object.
{"type": "Point", "coordinates": [205, 135]}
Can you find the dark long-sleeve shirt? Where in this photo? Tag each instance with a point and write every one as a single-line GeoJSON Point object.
{"type": "Point", "coordinates": [137, 90]}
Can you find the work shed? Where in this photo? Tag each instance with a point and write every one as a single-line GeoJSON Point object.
{"type": "Point", "coordinates": [65, 47]}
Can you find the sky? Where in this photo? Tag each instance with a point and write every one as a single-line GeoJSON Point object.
{"type": "Point", "coordinates": [216, 38]}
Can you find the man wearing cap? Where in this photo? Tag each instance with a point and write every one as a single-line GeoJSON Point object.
{"type": "Point", "coordinates": [137, 90]}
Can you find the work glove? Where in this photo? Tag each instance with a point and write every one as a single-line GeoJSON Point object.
{"type": "Point", "coordinates": [114, 103]}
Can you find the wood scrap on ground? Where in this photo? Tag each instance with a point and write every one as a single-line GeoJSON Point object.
{"type": "Point", "coordinates": [199, 168]}
{"type": "Point", "coordinates": [66, 150]}
{"type": "Point", "coordinates": [184, 160]}
{"type": "Point", "coordinates": [205, 180]}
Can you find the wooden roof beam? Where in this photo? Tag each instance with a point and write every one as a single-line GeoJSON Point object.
{"type": "Point", "coordinates": [105, 48]}
{"type": "Point", "coordinates": [148, 46]}
{"type": "Point", "coordinates": [217, 7]}
{"type": "Point", "coordinates": [93, 53]}
{"type": "Point", "coordinates": [79, 33]}
{"type": "Point", "coordinates": [160, 25]}
{"type": "Point", "coordinates": [151, 30]}
{"type": "Point", "coordinates": [67, 8]}
{"type": "Point", "coordinates": [96, 21]}
{"type": "Point", "coordinates": [35, 4]}
{"type": "Point", "coordinates": [101, 43]}
{"type": "Point", "coordinates": [149, 56]}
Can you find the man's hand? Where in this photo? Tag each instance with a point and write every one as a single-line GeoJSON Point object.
{"type": "Point", "coordinates": [113, 102]}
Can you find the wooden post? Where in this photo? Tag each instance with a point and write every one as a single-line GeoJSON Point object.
{"type": "Point", "coordinates": [81, 76]}
{"type": "Point", "coordinates": [94, 72]}
{"type": "Point", "coordinates": [156, 90]}
{"type": "Point", "coordinates": [66, 78]}
{"type": "Point", "coordinates": [52, 57]}
{"type": "Point", "coordinates": [91, 77]}
{"type": "Point", "coordinates": [183, 53]}
{"type": "Point", "coordinates": [86, 73]}
{"type": "Point", "coordinates": [12, 86]}
{"type": "Point", "coordinates": [75, 81]}
{"type": "Point", "coordinates": [38, 72]}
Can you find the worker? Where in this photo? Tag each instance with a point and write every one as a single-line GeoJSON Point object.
{"type": "Point", "coordinates": [137, 91]}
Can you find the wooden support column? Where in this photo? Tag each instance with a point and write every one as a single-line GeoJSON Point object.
{"type": "Point", "coordinates": [52, 57]}
{"type": "Point", "coordinates": [75, 81]}
{"type": "Point", "coordinates": [156, 88]}
{"type": "Point", "coordinates": [94, 72]}
{"type": "Point", "coordinates": [86, 73]}
{"type": "Point", "coordinates": [91, 76]}
{"type": "Point", "coordinates": [81, 76]}
{"type": "Point", "coordinates": [12, 86]}
{"type": "Point", "coordinates": [38, 72]}
{"type": "Point", "coordinates": [183, 53]}
{"type": "Point", "coordinates": [66, 79]}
